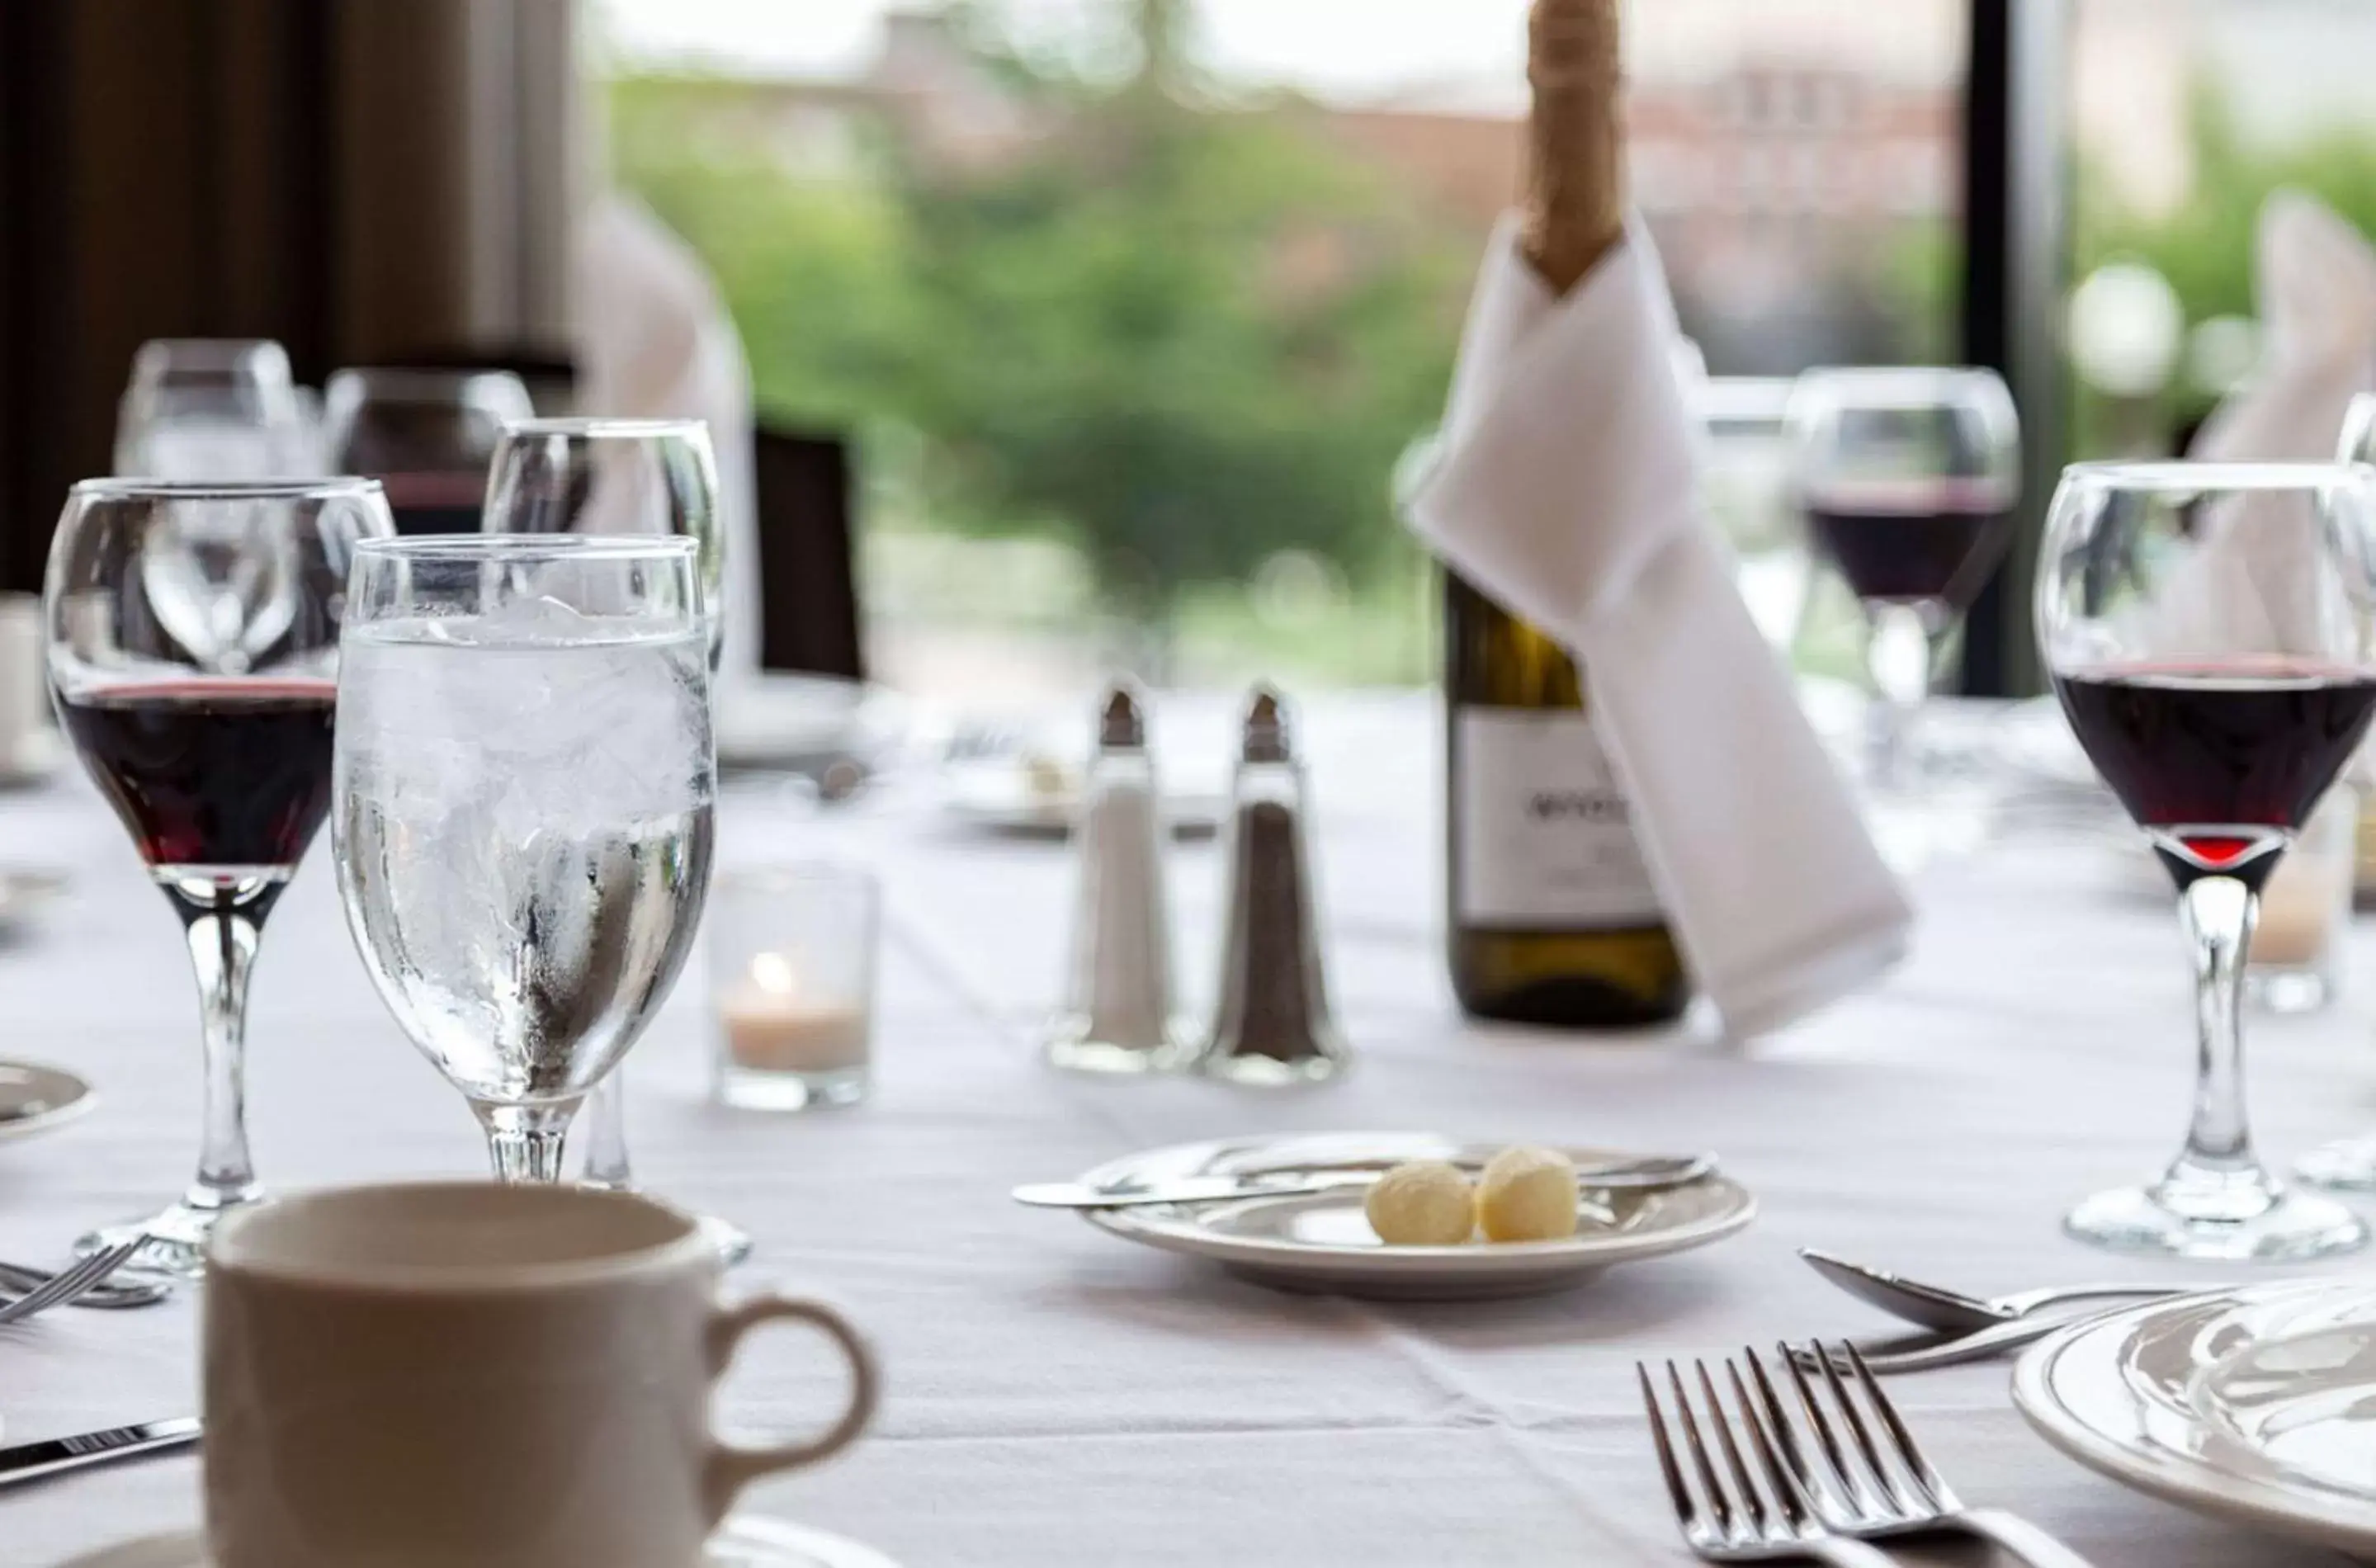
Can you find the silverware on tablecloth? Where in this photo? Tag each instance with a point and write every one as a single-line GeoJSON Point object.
{"type": "Point", "coordinates": [1647, 1173]}
{"type": "Point", "coordinates": [1728, 1518]}
{"type": "Point", "coordinates": [70, 1283]}
{"type": "Point", "coordinates": [108, 1295]}
{"type": "Point", "coordinates": [1877, 1483]}
{"type": "Point", "coordinates": [56, 1456]}
{"type": "Point", "coordinates": [1951, 1312]}
{"type": "Point", "coordinates": [1918, 1354]}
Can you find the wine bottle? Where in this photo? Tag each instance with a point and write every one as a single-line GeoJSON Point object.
{"type": "Point", "coordinates": [1552, 919]}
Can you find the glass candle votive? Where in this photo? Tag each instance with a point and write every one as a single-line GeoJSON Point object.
{"type": "Point", "coordinates": [791, 976]}
{"type": "Point", "coordinates": [2294, 965]}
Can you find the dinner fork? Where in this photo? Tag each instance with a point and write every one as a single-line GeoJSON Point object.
{"type": "Point", "coordinates": [1874, 1486]}
{"type": "Point", "coordinates": [68, 1283]}
{"type": "Point", "coordinates": [1733, 1523]}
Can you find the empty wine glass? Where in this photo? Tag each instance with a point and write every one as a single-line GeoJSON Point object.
{"type": "Point", "coordinates": [2211, 631]}
{"type": "Point", "coordinates": [1906, 478]}
{"type": "Point", "coordinates": [614, 476]}
{"type": "Point", "coordinates": [427, 435]}
{"type": "Point", "coordinates": [523, 808]}
{"type": "Point", "coordinates": [608, 477]}
{"type": "Point", "coordinates": [193, 649]}
{"type": "Point", "coordinates": [217, 408]}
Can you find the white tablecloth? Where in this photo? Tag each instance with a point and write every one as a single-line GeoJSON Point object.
{"type": "Point", "coordinates": [1056, 1397]}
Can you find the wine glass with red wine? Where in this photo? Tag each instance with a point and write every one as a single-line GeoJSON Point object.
{"type": "Point", "coordinates": [1906, 478]}
{"type": "Point", "coordinates": [2211, 631]}
{"type": "Point", "coordinates": [193, 655]}
{"type": "Point", "coordinates": [426, 435]}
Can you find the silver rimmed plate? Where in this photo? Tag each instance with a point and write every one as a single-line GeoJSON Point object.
{"type": "Point", "coordinates": [740, 1542]}
{"type": "Point", "coordinates": [34, 1099]}
{"type": "Point", "coordinates": [1323, 1243]}
{"type": "Point", "coordinates": [2256, 1405]}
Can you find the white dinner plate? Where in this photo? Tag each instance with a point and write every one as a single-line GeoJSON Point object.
{"type": "Point", "coordinates": [34, 1099]}
{"type": "Point", "coordinates": [1324, 1242]}
{"type": "Point", "coordinates": [740, 1542]}
{"type": "Point", "coordinates": [2257, 1405]}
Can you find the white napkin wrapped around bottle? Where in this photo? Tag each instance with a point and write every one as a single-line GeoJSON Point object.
{"type": "Point", "coordinates": [1566, 490]}
{"type": "Point", "coordinates": [657, 342]}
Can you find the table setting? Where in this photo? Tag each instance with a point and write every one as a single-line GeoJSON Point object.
{"type": "Point", "coordinates": [1568, 1118]}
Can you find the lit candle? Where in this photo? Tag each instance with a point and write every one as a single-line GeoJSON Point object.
{"type": "Point", "coordinates": [772, 1027]}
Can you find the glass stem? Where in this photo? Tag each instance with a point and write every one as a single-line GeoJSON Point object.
{"type": "Point", "coordinates": [1898, 651]}
{"type": "Point", "coordinates": [607, 1164]}
{"type": "Point", "coordinates": [222, 925]}
{"type": "Point", "coordinates": [525, 1142]}
{"type": "Point", "coordinates": [2219, 913]}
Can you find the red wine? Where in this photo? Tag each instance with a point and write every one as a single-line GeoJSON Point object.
{"type": "Point", "coordinates": [211, 773]}
{"type": "Point", "coordinates": [2225, 759]}
{"type": "Point", "coordinates": [1939, 555]}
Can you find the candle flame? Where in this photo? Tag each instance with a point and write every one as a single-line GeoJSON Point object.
{"type": "Point", "coordinates": [773, 973]}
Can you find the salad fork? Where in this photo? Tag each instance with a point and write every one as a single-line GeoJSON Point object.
{"type": "Point", "coordinates": [1879, 1484]}
{"type": "Point", "coordinates": [1728, 1519]}
{"type": "Point", "coordinates": [69, 1283]}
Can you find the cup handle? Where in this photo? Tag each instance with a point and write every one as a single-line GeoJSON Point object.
{"type": "Point", "coordinates": [729, 1469]}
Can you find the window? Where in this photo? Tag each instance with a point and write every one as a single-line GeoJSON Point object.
{"type": "Point", "coordinates": [1135, 304]}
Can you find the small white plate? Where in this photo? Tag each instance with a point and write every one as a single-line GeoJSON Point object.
{"type": "Point", "coordinates": [2256, 1405]}
{"type": "Point", "coordinates": [35, 1098]}
{"type": "Point", "coordinates": [740, 1542]}
{"type": "Point", "coordinates": [1324, 1242]}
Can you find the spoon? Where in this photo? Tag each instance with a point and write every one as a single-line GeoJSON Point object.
{"type": "Point", "coordinates": [1951, 1312]}
{"type": "Point", "coordinates": [1648, 1173]}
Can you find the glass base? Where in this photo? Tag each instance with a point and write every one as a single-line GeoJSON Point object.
{"type": "Point", "coordinates": [728, 1240]}
{"type": "Point", "coordinates": [747, 1088]}
{"type": "Point", "coordinates": [176, 1243]}
{"type": "Point", "coordinates": [2248, 1218]}
{"type": "Point", "coordinates": [1270, 1072]}
{"type": "Point", "coordinates": [2348, 1164]}
{"type": "Point", "coordinates": [1075, 1051]}
{"type": "Point", "coordinates": [2286, 992]}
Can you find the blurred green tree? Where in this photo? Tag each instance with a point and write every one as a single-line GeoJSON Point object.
{"type": "Point", "coordinates": [2205, 247]}
{"type": "Point", "coordinates": [1182, 332]}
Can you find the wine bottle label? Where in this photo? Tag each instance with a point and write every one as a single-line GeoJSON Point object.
{"type": "Point", "coordinates": [1546, 839]}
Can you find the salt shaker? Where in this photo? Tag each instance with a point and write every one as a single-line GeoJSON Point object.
{"type": "Point", "coordinates": [1271, 1026]}
{"type": "Point", "coordinates": [1117, 1016]}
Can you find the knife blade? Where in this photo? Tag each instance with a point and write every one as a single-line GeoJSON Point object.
{"type": "Point", "coordinates": [55, 1455]}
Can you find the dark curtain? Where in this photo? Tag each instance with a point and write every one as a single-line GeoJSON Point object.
{"type": "Point", "coordinates": [338, 174]}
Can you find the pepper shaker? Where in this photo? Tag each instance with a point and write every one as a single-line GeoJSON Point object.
{"type": "Point", "coordinates": [1271, 1026]}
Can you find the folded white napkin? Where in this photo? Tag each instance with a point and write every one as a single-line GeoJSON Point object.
{"type": "Point", "coordinates": [655, 342]}
{"type": "Point", "coordinates": [1566, 490]}
{"type": "Point", "coordinates": [2314, 280]}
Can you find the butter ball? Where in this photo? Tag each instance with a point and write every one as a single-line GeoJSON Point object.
{"type": "Point", "coordinates": [1422, 1203]}
{"type": "Point", "coordinates": [1527, 1194]}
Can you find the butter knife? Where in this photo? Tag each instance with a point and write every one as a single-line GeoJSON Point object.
{"type": "Point", "coordinates": [38, 1461]}
{"type": "Point", "coordinates": [1647, 1174]}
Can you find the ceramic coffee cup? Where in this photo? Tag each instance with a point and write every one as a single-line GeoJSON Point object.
{"type": "Point", "coordinates": [479, 1376]}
